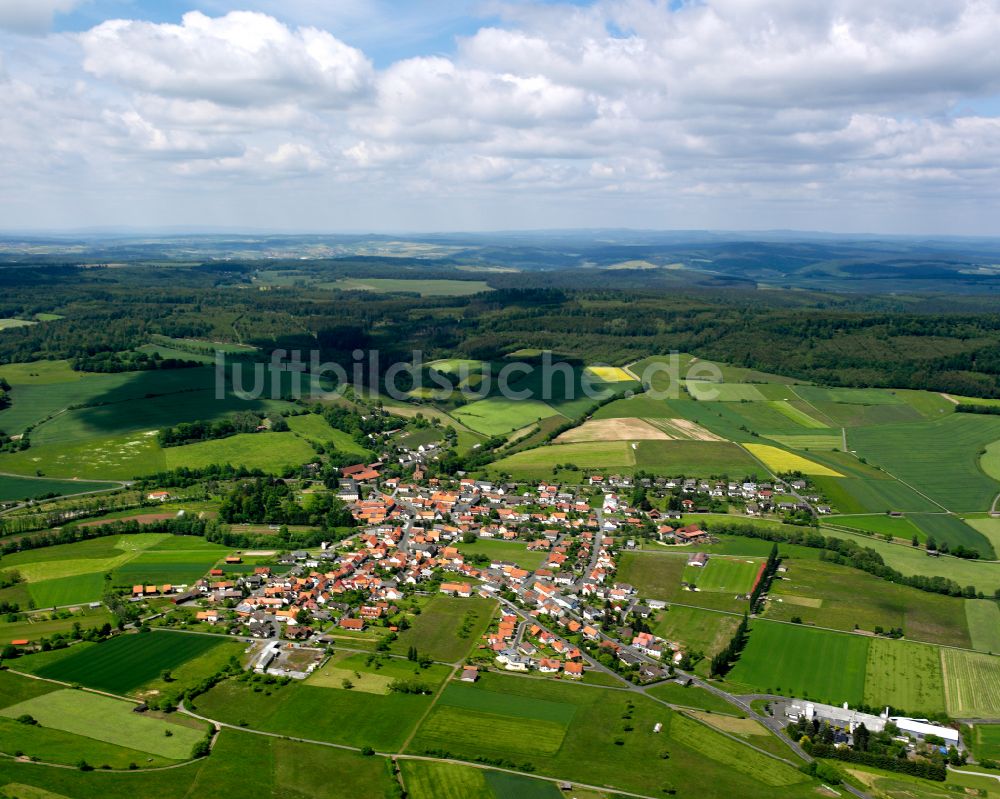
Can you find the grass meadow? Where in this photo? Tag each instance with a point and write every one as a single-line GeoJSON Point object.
{"type": "Point", "coordinates": [241, 765]}
{"type": "Point", "coordinates": [270, 452]}
{"type": "Point", "coordinates": [599, 736]}
{"type": "Point", "coordinates": [906, 676]}
{"type": "Point", "coordinates": [512, 551]}
{"type": "Point", "coordinates": [725, 575]}
{"type": "Point", "coordinates": [923, 453]}
{"type": "Point", "coordinates": [794, 660]}
{"type": "Point", "coordinates": [830, 595]}
{"type": "Point", "coordinates": [126, 662]}
{"type": "Point", "coordinates": [438, 630]}
{"type": "Point", "coordinates": [12, 487]}
{"type": "Point", "coordinates": [111, 721]}
{"type": "Point", "coordinates": [971, 684]}
{"type": "Point", "coordinates": [983, 618]}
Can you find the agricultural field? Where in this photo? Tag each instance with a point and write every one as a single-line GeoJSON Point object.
{"type": "Point", "coordinates": [621, 429]}
{"type": "Point", "coordinates": [315, 428]}
{"type": "Point", "coordinates": [695, 458]}
{"type": "Point", "coordinates": [983, 618]}
{"type": "Point", "coordinates": [112, 458]}
{"type": "Point", "coordinates": [511, 551]}
{"type": "Point", "coordinates": [705, 631]}
{"type": "Point", "coordinates": [948, 446]}
{"type": "Point", "coordinates": [794, 660]}
{"type": "Point", "coordinates": [988, 527]}
{"type": "Point", "coordinates": [692, 696]}
{"type": "Point", "coordinates": [971, 684]}
{"type": "Point", "coordinates": [270, 452]}
{"type": "Point", "coordinates": [376, 676]}
{"type": "Point", "coordinates": [447, 628]}
{"type": "Point", "coordinates": [724, 575]}
{"type": "Point", "coordinates": [43, 625]}
{"type": "Point", "coordinates": [954, 531]}
{"type": "Point", "coordinates": [781, 461]}
{"type": "Point", "coordinates": [907, 676]}
{"type": "Point", "coordinates": [654, 575]}
{"type": "Point", "coordinates": [544, 460]}
{"type": "Point", "coordinates": [75, 573]}
{"type": "Point", "coordinates": [881, 524]}
{"type": "Point", "coordinates": [908, 560]}
{"type": "Point", "coordinates": [826, 594]}
{"type": "Point", "coordinates": [111, 721]}
{"type": "Point", "coordinates": [17, 488]}
{"type": "Point", "coordinates": [570, 732]}
{"type": "Point", "coordinates": [317, 712]}
{"type": "Point", "coordinates": [127, 662]}
{"type": "Point", "coordinates": [985, 741]}
{"type": "Point", "coordinates": [820, 441]}
{"type": "Point", "coordinates": [294, 770]}
{"type": "Point", "coordinates": [496, 415]}
{"type": "Point", "coordinates": [430, 780]}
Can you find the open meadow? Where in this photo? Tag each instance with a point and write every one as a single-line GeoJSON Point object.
{"type": "Point", "coordinates": [794, 660]}
{"type": "Point", "coordinates": [907, 676]}
{"type": "Point", "coordinates": [599, 736]}
{"type": "Point", "coordinates": [128, 661]}
{"type": "Point", "coordinates": [447, 628]}
{"type": "Point", "coordinates": [971, 684]}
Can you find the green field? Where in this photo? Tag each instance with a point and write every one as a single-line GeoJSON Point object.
{"type": "Point", "coordinates": [799, 661]}
{"type": "Point", "coordinates": [910, 561]}
{"type": "Point", "coordinates": [852, 495]}
{"type": "Point", "coordinates": [882, 524]}
{"type": "Point", "coordinates": [922, 453]}
{"type": "Point", "coordinates": [906, 676]}
{"type": "Point", "coordinates": [511, 551]}
{"type": "Point", "coordinates": [588, 455]}
{"type": "Point", "coordinates": [954, 531]}
{"type": "Point", "coordinates": [15, 689]}
{"type": "Point", "coordinates": [30, 487]}
{"type": "Point", "coordinates": [126, 662]}
{"type": "Point", "coordinates": [723, 392]}
{"type": "Point", "coordinates": [425, 288]}
{"type": "Point", "coordinates": [983, 617]}
{"type": "Point", "coordinates": [315, 428]}
{"type": "Point", "coordinates": [109, 720]}
{"type": "Point", "coordinates": [822, 441]}
{"type": "Point", "coordinates": [727, 575]}
{"type": "Point", "coordinates": [985, 741]}
{"type": "Point", "coordinates": [270, 452]}
{"type": "Point", "coordinates": [692, 696]}
{"type": "Point", "coordinates": [436, 632]}
{"type": "Point", "coordinates": [524, 720]}
{"type": "Point", "coordinates": [706, 631]}
{"type": "Point", "coordinates": [830, 595]}
{"type": "Point", "coordinates": [350, 717]}
{"type": "Point", "coordinates": [112, 458]}
{"type": "Point", "coordinates": [989, 527]}
{"type": "Point", "coordinates": [74, 573]}
{"type": "Point", "coordinates": [39, 625]}
{"type": "Point", "coordinates": [241, 765]}
{"type": "Point", "coordinates": [695, 458]}
{"type": "Point", "coordinates": [374, 677]}
{"type": "Point", "coordinates": [430, 780]}
{"type": "Point", "coordinates": [657, 576]}
{"type": "Point", "coordinates": [971, 684]}
{"type": "Point", "coordinates": [496, 415]}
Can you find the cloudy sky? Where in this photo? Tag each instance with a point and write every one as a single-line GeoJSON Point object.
{"type": "Point", "coordinates": [372, 115]}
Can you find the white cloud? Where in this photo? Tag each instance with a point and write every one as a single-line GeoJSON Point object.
{"type": "Point", "coordinates": [720, 110]}
{"type": "Point", "coordinates": [241, 59]}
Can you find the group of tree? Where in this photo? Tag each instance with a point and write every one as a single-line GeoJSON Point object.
{"type": "Point", "coordinates": [723, 661]}
{"type": "Point", "coordinates": [201, 430]}
{"type": "Point", "coordinates": [272, 501]}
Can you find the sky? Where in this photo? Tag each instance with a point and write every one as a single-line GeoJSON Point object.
{"type": "Point", "coordinates": [873, 116]}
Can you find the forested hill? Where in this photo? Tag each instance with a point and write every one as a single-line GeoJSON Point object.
{"type": "Point", "coordinates": [443, 299]}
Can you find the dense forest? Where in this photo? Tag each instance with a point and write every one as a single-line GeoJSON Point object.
{"type": "Point", "coordinates": [926, 341]}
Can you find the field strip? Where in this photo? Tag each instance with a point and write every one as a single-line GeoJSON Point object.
{"type": "Point", "coordinates": [430, 707]}
{"type": "Point", "coordinates": [913, 488]}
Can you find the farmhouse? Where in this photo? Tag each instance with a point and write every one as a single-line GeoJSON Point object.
{"type": "Point", "coordinates": [698, 559]}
